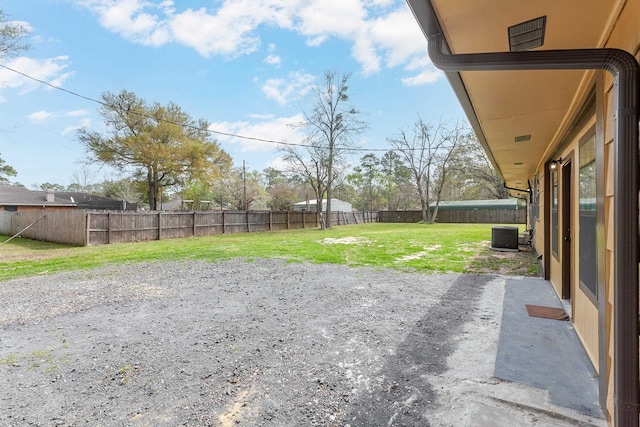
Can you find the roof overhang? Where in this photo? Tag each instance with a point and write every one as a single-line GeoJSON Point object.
{"type": "Point", "coordinates": [519, 117]}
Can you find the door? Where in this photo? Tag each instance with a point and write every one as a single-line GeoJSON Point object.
{"type": "Point", "coordinates": [566, 229]}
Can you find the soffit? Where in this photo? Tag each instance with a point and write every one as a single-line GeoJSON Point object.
{"type": "Point", "coordinates": [507, 104]}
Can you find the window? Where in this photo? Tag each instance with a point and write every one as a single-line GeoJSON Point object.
{"type": "Point", "coordinates": [587, 215]}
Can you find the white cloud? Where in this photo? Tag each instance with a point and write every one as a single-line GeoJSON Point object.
{"type": "Point", "coordinates": [76, 113]}
{"type": "Point", "coordinates": [423, 78]}
{"type": "Point", "coordinates": [261, 116]}
{"type": "Point", "coordinates": [280, 129]}
{"type": "Point", "coordinates": [279, 164]}
{"type": "Point", "coordinates": [128, 18]}
{"type": "Point", "coordinates": [320, 18]}
{"type": "Point", "coordinates": [40, 116]}
{"type": "Point", "coordinates": [381, 32]}
{"type": "Point", "coordinates": [282, 91]}
{"type": "Point", "coordinates": [84, 123]}
{"type": "Point", "coordinates": [273, 60]}
{"type": "Point", "coordinates": [214, 34]}
{"type": "Point", "coordinates": [48, 70]}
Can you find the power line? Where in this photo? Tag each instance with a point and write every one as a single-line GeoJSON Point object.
{"type": "Point", "coordinates": [227, 134]}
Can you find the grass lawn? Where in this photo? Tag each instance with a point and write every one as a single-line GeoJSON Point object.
{"type": "Point", "coordinates": [408, 247]}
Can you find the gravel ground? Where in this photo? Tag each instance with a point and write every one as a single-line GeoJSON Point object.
{"type": "Point", "coordinates": [262, 343]}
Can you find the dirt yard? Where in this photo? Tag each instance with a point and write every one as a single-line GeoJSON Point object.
{"type": "Point", "coordinates": [261, 343]}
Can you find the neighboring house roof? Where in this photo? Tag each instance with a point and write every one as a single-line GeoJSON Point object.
{"type": "Point", "coordinates": [11, 195]}
{"type": "Point", "coordinates": [91, 201]}
{"type": "Point", "coordinates": [510, 203]}
{"type": "Point", "coordinates": [314, 202]}
{"type": "Point", "coordinates": [337, 205]}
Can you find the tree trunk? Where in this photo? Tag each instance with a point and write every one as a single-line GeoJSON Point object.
{"type": "Point", "coordinates": [425, 208]}
{"type": "Point", "coordinates": [152, 189]}
{"type": "Point", "coordinates": [329, 185]}
{"type": "Point", "coordinates": [152, 194]}
{"type": "Point", "coordinates": [320, 213]}
{"type": "Point", "coordinates": [328, 210]}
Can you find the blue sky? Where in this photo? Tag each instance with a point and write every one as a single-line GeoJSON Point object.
{"type": "Point", "coordinates": [246, 66]}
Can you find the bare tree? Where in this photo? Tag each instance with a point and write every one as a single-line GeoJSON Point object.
{"type": "Point", "coordinates": [331, 126]}
{"type": "Point", "coordinates": [11, 36]}
{"type": "Point", "coordinates": [473, 176]}
{"type": "Point", "coordinates": [427, 152]}
{"type": "Point", "coordinates": [310, 163]}
{"type": "Point", "coordinates": [82, 180]}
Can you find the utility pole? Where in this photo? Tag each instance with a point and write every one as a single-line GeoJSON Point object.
{"type": "Point", "coordinates": [244, 186]}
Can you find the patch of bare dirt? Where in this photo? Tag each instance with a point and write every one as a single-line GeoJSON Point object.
{"type": "Point", "coordinates": [525, 262]}
{"type": "Point", "coordinates": [350, 240]}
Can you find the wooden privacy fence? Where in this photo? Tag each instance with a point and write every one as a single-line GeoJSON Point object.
{"type": "Point", "coordinates": [60, 226]}
{"type": "Point", "coordinates": [475, 216]}
{"type": "Point", "coordinates": [83, 228]}
{"type": "Point", "coordinates": [116, 227]}
{"type": "Point", "coordinates": [346, 218]}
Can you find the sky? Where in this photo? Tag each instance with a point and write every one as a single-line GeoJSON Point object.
{"type": "Point", "coordinates": [246, 66]}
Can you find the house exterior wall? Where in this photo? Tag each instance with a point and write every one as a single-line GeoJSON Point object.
{"type": "Point", "coordinates": [625, 35]}
{"type": "Point", "coordinates": [41, 208]}
{"type": "Point", "coordinates": [584, 308]}
{"type": "Point", "coordinates": [592, 317]}
{"type": "Point", "coordinates": [336, 206]}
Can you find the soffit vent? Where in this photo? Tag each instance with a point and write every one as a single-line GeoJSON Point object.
{"type": "Point", "coordinates": [522, 138]}
{"type": "Point", "coordinates": [527, 35]}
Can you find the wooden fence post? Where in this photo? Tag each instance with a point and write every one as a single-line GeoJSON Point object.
{"type": "Point", "coordinates": [288, 219]}
{"type": "Point", "coordinates": [248, 222]}
{"type": "Point", "coordinates": [223, 224]}
{"type": "Point", "coordinates": [87, 234]}
{"type": "Point", "coordinates": [270, 220]}
{"type": "Point", "coordinates": [194, 223]}
{"type": "Point", "coordinates": [109, 226]}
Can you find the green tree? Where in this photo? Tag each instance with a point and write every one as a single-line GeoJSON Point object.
{"type": "Point", "coordinates": [6, 171]}
{"type": "Point", "coordinates": [52, 186]}
{"type": "Point", "coordinates": [283, 190]}
{"type": "Point", "coordinates": [366, 180]}
{"type": "Point", "coordinates": [158, 144]}
{"type": "Point", "coordinates": [243, 190]}
{"type": "Point", "coordinates": [399, 191]}
{"type": "Point", "coordinates": [200, 192]}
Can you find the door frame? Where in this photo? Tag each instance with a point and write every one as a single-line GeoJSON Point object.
{"type": "Point", "coordinates": [566, 221]}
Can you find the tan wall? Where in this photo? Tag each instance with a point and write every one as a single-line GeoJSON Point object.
{"type": "Point", "coordinates": [625, 35]}
{"type": "Point", "coordinates": [584, 310]}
